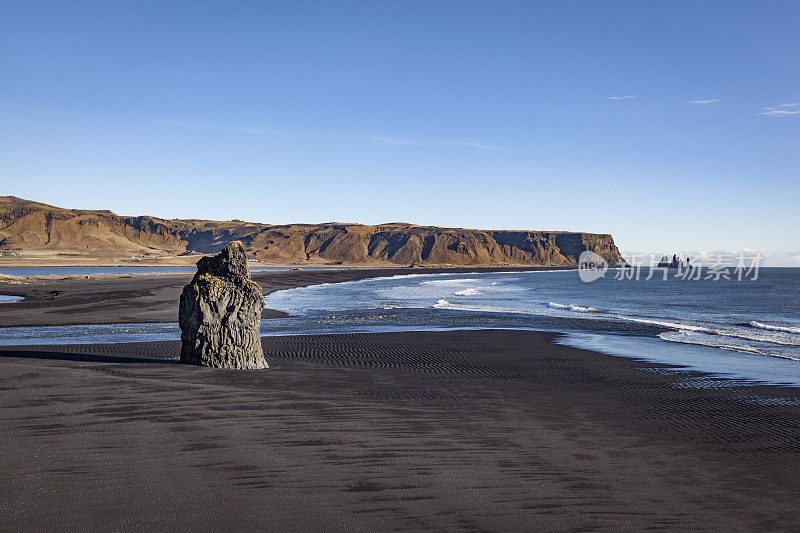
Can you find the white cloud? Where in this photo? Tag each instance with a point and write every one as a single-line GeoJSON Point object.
{"type": "Point", "coordinates": [628, 97]}
{"type": "Point", "coordinates": [781, 110]}
{"type": "Point", "coordinates": [775, 112]}
{"type": "Point", "coordinates": [711, 101]}
{"type": "Point", "coordinates": [400, 141]}
{"type": "Point", "coordinates": [782, 258]}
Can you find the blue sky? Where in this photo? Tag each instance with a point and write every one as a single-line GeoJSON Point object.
{"type": "Point", "coordinates": [672, 125]}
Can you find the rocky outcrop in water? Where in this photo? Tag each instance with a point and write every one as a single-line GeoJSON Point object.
{"type": "Point", "coordinates": [220, 313]}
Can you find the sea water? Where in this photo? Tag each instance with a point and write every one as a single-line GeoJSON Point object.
{"type": "Point", "coordinates": [747, 329]}
{"type": "Point", "coordinates": [760, 316]}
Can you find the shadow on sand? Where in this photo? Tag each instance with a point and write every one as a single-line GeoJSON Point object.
{"type": "Point", "coordinates": [81, 357]}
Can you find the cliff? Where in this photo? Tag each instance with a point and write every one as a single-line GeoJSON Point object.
{"type": "Point", "coordinates": [27, 226]}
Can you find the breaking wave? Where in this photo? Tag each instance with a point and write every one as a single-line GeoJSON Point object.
{"type": "Point", "coordinates": [576, 308]}
{"type": "Point", "coordinates": [468, 292]}
{"type": "Point", "coordinates": [724, 342]}
{"type": "Point", "coordinates": [667, 324]}
{"type": "Point", "coordinates": [448, 281]}
{"type": "Point", "coordinates": [770, 327]}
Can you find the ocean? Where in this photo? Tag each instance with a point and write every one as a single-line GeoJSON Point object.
{"type": "Point", "coordinates": [759, 316]}
{"type": "Point", "coordinates": [748, 329]}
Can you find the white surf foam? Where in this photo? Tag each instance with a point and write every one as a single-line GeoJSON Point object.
{"type": "Point", "coordinates": [667, 324]}
{"type": "Point", "coordinates": [468, 292]}
{"type": "Point", "coordinates": [770, 327]}
{"type": "Point", "coordinates": [442, 304]}
{"type": "Point", "coordinates": [771, 336]}
{"type": "Point", "coordinates": [448, 281]}
{"type": "Point", "coordinates": [714, 341]}
{"type": "Point", "coordinates": [576, 308]}
{"type": "Point", "coordinates": [445, 304]}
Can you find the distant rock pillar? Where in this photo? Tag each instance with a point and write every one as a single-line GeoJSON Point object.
{"type": "Point", "coordinates": [220, 313]}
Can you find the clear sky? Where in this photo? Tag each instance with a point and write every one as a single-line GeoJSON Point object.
{"type": "Point", "coordinates": [673, 125]}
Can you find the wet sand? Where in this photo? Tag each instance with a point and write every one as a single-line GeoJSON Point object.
{"type": "Point", "coordinates": [471, 430]}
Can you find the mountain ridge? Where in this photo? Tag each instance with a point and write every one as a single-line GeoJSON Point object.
{"type": "Point", "coordinates": [28, 226]}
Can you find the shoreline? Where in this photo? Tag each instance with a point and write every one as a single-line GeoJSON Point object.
{"type": "Point", "coordinates": [436, 430]}
{"type": "Point", "coordinates": [143, 298]}
{"type": "Point", "coordinates": [115, 301]}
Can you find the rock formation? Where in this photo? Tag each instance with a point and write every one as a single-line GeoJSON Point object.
{"type": "Point", "coordinates": [220, 313]}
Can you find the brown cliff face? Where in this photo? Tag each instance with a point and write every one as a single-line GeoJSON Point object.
{"type": "Point", "coordinates": [404, 244]}
{"type": "Point", "coordinates": [31, 226]}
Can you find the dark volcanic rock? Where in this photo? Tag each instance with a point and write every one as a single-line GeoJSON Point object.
{"type": "Point", "coordinates": [220, 313]}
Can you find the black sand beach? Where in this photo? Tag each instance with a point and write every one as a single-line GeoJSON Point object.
{"type": "Point", "coordinates": [478, 430]}
{"type": "Point", "coordinates": [469, 430]}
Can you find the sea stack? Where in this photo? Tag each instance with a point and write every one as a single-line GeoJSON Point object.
{"type": "Point", "coordinates": [220, 313]}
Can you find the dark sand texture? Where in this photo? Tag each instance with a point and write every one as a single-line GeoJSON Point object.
{"type": "Point", "coordinates": [478, 430]}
